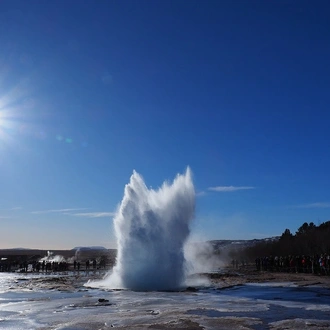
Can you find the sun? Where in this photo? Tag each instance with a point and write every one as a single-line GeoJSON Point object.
{"type": "Point", "coordinates": [17, 108]}
{"type": "Point", "coordinates": [11, 114]}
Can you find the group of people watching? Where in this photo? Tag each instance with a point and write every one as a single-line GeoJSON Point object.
{"type": "Point", "coordinates": [6, 266]}
{"type": "Point", "coordinates": [48, 266]}
{"type": "Point", "coordinates": [315, 264]}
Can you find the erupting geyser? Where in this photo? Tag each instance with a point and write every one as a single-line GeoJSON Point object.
{"type": "Point", "coordinates": [151, 227]}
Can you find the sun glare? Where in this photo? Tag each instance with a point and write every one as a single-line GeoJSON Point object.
{"type": "Point", "coordinates": [2, 126]}
{"type": "Point", "coordinates": [2, 118]}
{"type": "Point", "coordinates": [7, 125]}
{"type": "Point", "coordinates": [13, 112]}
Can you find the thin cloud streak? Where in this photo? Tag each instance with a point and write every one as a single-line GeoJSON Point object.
{"type": "Point", "coordinates": [313, 205]}
{"type": "Point", "coordinates": [94, 214]}
{"type": "Point", "coordinates": [230, 188]}
{"type": "Point", "coordinates": [58, 211]}
{"type": "Point", "coordinates": [12, 208]}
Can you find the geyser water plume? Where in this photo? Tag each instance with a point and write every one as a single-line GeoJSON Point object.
{"type": "Point", "coordinates": [151, 227]}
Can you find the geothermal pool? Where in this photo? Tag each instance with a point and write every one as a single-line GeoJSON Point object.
{"type": "Point", "coordinates": [24, 305]}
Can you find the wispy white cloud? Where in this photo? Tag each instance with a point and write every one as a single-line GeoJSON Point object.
{"type": "Point", "coordinates": [312, 205]}
{"type": "Point", "coordinates": [200, 193]}
{"type": "Point", "coordinates": [73, 212]}
{"type": "Point", "coordinates": [58, 211]}
{"type": "Point", "coordinates": [4, 217]}
{"type": "Point", "coordinates": [12, 208]}
{"type": "Point", "coordinates": [230, 188]}
{"type": "Point", "coordinates": [94, 214]}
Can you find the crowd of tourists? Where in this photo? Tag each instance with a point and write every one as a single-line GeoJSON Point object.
{"type": "Point", "coordinates": [315, 264]}
{"type": "Point", "coordinates": [50, 266]}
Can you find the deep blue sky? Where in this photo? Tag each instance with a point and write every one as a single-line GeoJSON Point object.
{"type": "Point", "coordinates": [90, 90]}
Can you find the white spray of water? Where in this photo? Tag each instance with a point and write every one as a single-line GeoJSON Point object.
{"type": "Point", "coordinates": [51, 258]}
{"type": "Point", "coordinates": [151, 227]}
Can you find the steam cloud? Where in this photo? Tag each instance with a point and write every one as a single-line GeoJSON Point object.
{"type": "Point", "coordinates": [51, 258]}
{"type": "Point", "coordinates": [151, 227]}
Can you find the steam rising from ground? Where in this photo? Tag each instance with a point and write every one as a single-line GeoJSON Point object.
{"type": "Point", "coordinates": [51, 258]}
{"type": "Point", "coordinates": [201, 257]}
{"type": "Point", "coordinates": [151, 227]}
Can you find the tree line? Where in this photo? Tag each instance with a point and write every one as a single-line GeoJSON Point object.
{"type": "Point", "coordinates": [309, 239]}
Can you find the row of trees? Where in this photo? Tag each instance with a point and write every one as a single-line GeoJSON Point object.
{"type": "Point", "coordinates": [309, 239]}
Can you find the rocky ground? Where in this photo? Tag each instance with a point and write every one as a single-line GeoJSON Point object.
{"type": "Point", "coordinates": [230, 277]}
{"type": "Point", "coordinates": [224, 279]}
{"type": "Point", "coordinates": [55, 281]}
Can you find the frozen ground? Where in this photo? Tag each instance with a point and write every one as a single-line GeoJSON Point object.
{"type": "Point", "coordinates": [62, 302]}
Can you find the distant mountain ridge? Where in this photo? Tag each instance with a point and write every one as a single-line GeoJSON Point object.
{"type": "Point", "coordinates": [18, 248]}
{"type": "Point", "coordinates": [217, 244]}
{"type": "Point", "coordinates": [243, 243]}
{"type": "Point", "coordinates": [84, 248]}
